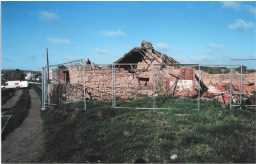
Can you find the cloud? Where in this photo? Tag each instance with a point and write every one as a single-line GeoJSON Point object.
{"type": "Point", "coordinates": [101, 51]}
{"type": "Point", "coordinates": [59, 40]}
{"type": "Point", "coordinates": [230, 4]}
{"type": "Point", "coordinates": [240, 24]}
{"type": "Point", "coordinates": [240, 6]}
{"type": "Point", "coordinates": [48, 16]}
{"type": "Point", "coordinates": [114, 33]}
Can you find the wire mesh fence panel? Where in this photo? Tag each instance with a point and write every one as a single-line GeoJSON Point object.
{"type": "Point", "coordinates": [81, 84]}
{"type": "Point", "coordinates": [132, 86]}
{"type": "Point", "coordinates": [249, 87]}
{"type": "Point", "coordinates": [62, 88]}
{"type": "Point", "coordinates": [97, 83]}
{"type": "Point", "coordinates": [221, 82]}
{"type": "Point", "coordinates": [179, 86]}
{"type": "Point", "coordinates": [176, 86]}
{"type": "Point", "coordinates": [236, 89]}
{"type": "Point", "coordinates": [247, 92]}
{"type": "Point", "coordinates": [156, 86]}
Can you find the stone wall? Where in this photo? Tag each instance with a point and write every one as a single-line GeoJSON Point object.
{"type": "Point", "coordinates": [154, 80]}
{"type": "Point", "coordinates": [96, 83]}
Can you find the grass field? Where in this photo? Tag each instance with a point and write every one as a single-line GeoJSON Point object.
{"type": "Point", "coordinates": [102, 134]}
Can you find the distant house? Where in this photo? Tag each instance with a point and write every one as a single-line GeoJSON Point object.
{"type": "Point", "coordinates": [13, 74]}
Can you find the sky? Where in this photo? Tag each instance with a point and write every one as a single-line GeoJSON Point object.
{"type": "Point", "coordinates": [190, 32]}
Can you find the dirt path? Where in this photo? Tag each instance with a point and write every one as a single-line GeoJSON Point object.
{"type": "Point", "coordinates": [13, 100]}
{"type": "Point", "coordinates": [25, 144]}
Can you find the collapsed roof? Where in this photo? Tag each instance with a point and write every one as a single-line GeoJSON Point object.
{"type": "Point", "coordinates": [146, 52]}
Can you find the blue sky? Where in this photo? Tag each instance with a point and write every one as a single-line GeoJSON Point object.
{"type": "Point", "coordinates": [190, 32]}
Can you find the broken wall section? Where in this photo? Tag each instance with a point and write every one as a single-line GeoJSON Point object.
{"type": "Point", "coordinates": [154, 84]}
{"type": "Point", "coordinates": [234, 86]}
{"type": "Point", "coordinates": [175, 83]}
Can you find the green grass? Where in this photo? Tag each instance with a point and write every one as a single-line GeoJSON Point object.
{"type": "Point", "coordinates": [213, 134]}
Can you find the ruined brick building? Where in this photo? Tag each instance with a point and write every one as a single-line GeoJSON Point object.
{"type": "Point", "coordinates": [143, 71]}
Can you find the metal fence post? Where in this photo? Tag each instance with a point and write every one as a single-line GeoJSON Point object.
{"type": "Point", "coordinates": [199, 88]}
{"type": "Point", "coordinates": [155, 89]}
{"type": "Point", "coordinates": [42, 89]}
{"type": "Point", "coordinates": [241, 85]}
{"type": "Point", "coordinates": [113, 86]}
{"type": "Point", "coordinates": [46, 88]}
{"type": "Point", "coordinates": [84, 98]}
{"type": "Point", "coordinates": [230, 89]}
{"type": "Point", "coordinates": [44, 93]}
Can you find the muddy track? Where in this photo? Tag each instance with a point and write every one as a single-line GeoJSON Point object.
{"type": "Point", "coordinates": [10, 103]}
{"type": "Point", "coordinates": [25, 144]}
